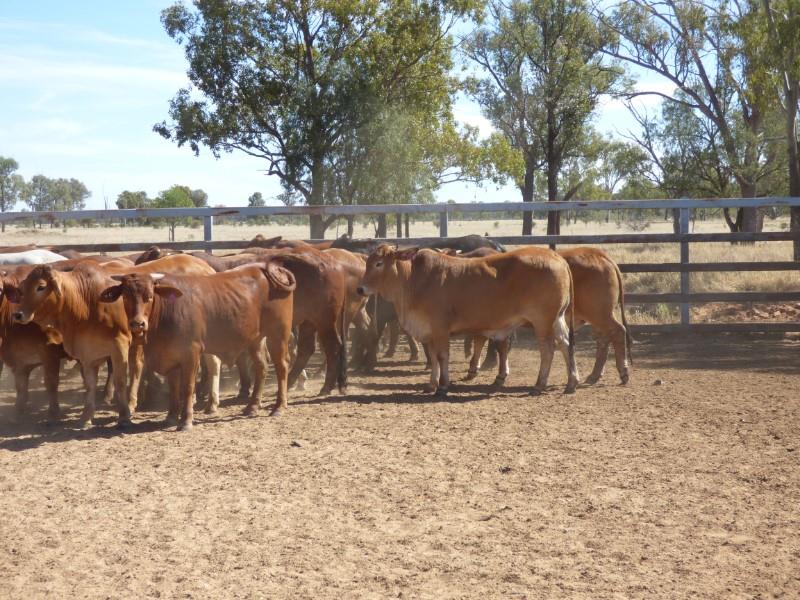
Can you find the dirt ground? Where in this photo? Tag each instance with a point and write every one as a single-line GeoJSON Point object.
{"type": "Point", "coordinates": [687, 488]}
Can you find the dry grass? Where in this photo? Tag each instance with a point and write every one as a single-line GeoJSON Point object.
{"type": "Point", "coordinates": [623, 253]}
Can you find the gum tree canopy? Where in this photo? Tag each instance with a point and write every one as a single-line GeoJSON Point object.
{"type": "Point", "coordinates": [287, 80]}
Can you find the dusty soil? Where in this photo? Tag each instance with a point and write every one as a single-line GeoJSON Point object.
{"type": "Point", "coordinates": [689, 487]}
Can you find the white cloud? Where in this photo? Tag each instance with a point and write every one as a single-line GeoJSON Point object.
{"type": "Point", "coordinates": [37, 71]}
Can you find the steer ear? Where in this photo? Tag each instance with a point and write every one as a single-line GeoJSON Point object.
{"type": "Point", "coordinates": [406, 253]}
{"type": "Point", "coordinates": [111, 294]}
{"type": "Point", "coordinates": [168, 292]}
{"type": "Point", "coordinates": [12, 293]}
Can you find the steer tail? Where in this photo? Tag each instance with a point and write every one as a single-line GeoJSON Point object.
{"type": "Point", "coordinates": [342, 379]}
{"type": "Point", "coordinates": [628, 338]}
{"type": "Point", "coordinates": [571, 337]}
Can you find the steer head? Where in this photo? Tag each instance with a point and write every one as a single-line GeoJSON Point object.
{"type": "Point", "coordinates": [138, 292]}
{"type": "Point", "coordinates": [40, 292]}
{"type": "Point", "coordinates": [381, 270]}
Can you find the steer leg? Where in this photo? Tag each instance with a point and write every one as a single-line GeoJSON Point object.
{"type": "Point", "coordinates": [490, 362]}
{"type": "Point", "coordinates": [213, 366]}
{"type": "Point", "coordinates": [413, 348]}
{"type": "Point", "coordinates": [259, 359]}
{"type": "Point", "coordinates": [22, 377]}
{"type": "Point", "coordinates": [394, 337]}
{"type": "Point", "coordinates": [305, 348]}
{"type": "Point", "coordinates": [332, 345]}
{"type": "Point", "coordinates": [433, 385]}
{"type": "Point", "coordinates": [278, 354]}
{"type": "Point", "coordinates": [546, 351]}
{"type": "Point", "coordinates": [477, 342]}
{"type": "Point", "coordinates": [245, 381]}
{"type": "Point", "coordinates": [618, 338]}
{"type": "Point", "coordinates": [600, 358]}
{"type": "Point", "coordinates": [188, 377]}
{"type": "Point", "coordinates": [51, 364]}
{"type": "Point", "coordinates": [108, 388]}
{"type": "Point", "coordinates": [90, 380]}
{"type": "Point", "coordinates": [124, 397]}
{"type": "Point", "coordinates": [135, 368]}
{"type": "Point", "coordinates": [174, 381]}
{"type": "Point", "coordinates": [561, 335]}
{"type": "Point", "coordinates": [502, 361]}
{"type": "Point", "coordinates": [443, 355]}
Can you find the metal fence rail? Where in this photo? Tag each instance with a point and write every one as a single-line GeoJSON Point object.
{"type": "Point", "coordinates": [685, 267]}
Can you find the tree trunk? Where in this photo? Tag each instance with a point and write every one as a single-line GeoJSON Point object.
{"type": "Point", "coordinates": [676, 220]}
{"type": "Point", "coordinates": [794, 167]}
{"type": "Point", "coordinates": [407, 219]}
{"type": "Point", "coordinates": [381, 232]}
{"type": "Point", "coordinates": [399, 224]}
{"type": "Point", "coordinates": [527, 196]}
{"type": "Point", "coordinates": [316, 222]}
{"type": "Point", "coordinates": [350, 228]}
{"type": "Point", "coordinates": [553, 218]}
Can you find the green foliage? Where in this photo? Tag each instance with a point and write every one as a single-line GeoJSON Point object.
{"type": "Point", "coordinates": [128, 199]}
{"type": "Point", "coordinates": [256, 199]}
{"type": "Point", "coordinates": [545, 74]}
{"type": "Point", "coordinates": [290, 82]}
{"type": "Point", "coordinates": [199, 198]}
{"type": "Point", "coordinates": [12, 185]}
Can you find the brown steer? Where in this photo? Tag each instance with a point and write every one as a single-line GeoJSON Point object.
{"type": "Point", "coordinates": [180, 318]}
{"type": "Point", "coordinates": [437, 295]}
{"type": "Point", "coordinates": [598, 290]}
{"type": "Point", "coordinates": [67, 307]}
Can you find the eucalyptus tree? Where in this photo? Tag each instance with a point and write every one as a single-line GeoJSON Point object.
{"type": "Point", "coordinates": [287, 80]}
{"type": "Point", "coordinates": [12, 186]}
{"type": "Point", "coordinates": [545, 73]}
{"type": "Point", "coordinates": [698, 49]}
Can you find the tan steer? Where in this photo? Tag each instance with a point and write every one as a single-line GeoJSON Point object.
{"type": "Point", "coordinates": [437, 295]}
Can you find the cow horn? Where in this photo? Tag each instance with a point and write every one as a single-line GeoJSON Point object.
{"type": "Point", "coordinates": [156, 276]}
{"type": "Point", "coordinates": [118, 277]}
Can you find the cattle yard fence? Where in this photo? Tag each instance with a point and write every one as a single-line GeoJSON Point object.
{"type": "Point", "coordinates": [685, 298]}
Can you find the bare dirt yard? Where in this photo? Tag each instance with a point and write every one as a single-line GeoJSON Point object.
{"type": "Point", "coordinates": [687, 488]}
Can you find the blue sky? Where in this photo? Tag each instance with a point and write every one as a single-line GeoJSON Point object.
{"type": "Point", "coordinates": [83, 82]}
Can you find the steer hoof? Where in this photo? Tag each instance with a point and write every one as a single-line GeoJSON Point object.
{"type": "Point", "coordinates": [170, 421]}
{"type": "Point", "coordinates": [570, 389]}
{"type": "Point", "coordinates": [250, 410]}
{"type": "Point", "coordinates": [592, 379]}
{"type": "Point", "coordinates": [210, 410]}
{"type": "Point", "coordinates": [124, 424]}
{"type": "Point", "coordinates": [429, 388]}
{"type": "Point", "coordinates": [275, 412]}
{"type": "Point", "coordinates": [84, 424]}
{"type": "Point", "coordinates": [325, 391]}
{"type": "Point", "coordinates": [624, 379]}
{"type": "Point", "coordinates": [499, 382]}
{"type": "Point", "coordinates": [441, 392]}
{"type": "Point", "coordinates": [470, 375]}
{"type": "Point", "coordinates": [537, 391]}
{"type": "Point", "coordinates": [186, 426]}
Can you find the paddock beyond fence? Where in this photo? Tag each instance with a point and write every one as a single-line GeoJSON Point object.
{"type": "Point", "coordinates": [685, 298]}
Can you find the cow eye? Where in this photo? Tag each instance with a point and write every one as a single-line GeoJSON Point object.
{"type": "Point", "coordinates": [42, 287]}
{"type": "Point", "coordinates": [379, 264]}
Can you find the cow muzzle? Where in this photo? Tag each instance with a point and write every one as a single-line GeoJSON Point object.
{"type": "Point", "coordinates": [21, 318]}
{"type": "Point", "coordinates": [137, 326]}
{"type": "Point", "coordinates": [363, 291]}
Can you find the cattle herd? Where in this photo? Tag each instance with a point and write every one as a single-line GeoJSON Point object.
{"type": "Point", "coordinates": [182, 315]}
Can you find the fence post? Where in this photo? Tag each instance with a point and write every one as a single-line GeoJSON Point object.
{"type": "Point", "coordinates": [208, 228]}
{"type": "Point", "coordinates": [443, 223]}
{"type": "Point", "coordinates": [399, 224]}
{"type": "Point", "coordinates": [683, 222]}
